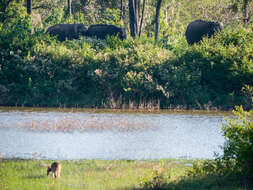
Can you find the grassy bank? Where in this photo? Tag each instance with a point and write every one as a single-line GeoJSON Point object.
{"type": "Point", "coordinates": [87, 174]}
{"type": "Point", "coordinates": [99, 174]}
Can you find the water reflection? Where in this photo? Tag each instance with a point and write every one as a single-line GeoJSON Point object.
{"type": "Point", "coordinates": [85, 135]}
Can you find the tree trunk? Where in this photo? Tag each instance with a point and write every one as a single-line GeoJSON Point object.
{"type": "Point", "coordinates": [142, 15]}
{"type": "Point", "coordinates": [131, 5]}
{"type": "Point", "coordinates": [245, 11]}
{"type": "Point", "coordinates": [157, 19]}
{"type": "Point", "coordinates": [121, 9]}
{"type": "Point", "coordinates": [69, 8]}
{"type": "Point", "coordinates": [136, 16]}
{"type": "Point", "coordinates": [29, 7]}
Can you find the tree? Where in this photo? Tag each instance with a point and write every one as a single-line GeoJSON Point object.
{"type": "Point", "coordinates": [3, 6]}
{"type": "Point", "coordinates": [133, 16]}
{"type": "Point", "coordinates": [29, 6]}
{"type": "Point", "coordinates": [157, 19]}
{"type": "Point", "coordinates": [246, 16]}
{"type": "Point", "coordinates": [69, 8]}
{"type": "Point", "coordinates": [142, 16]}
{"type": "Point", "coordinates": [244, 4]}
{"type": "Point", "coordinates": [121, 9]}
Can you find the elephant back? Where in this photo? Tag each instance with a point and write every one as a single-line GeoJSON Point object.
{"type": "Point", "coordinates": [102, 30]}
{"type": "Point", "coordinates": [197, 29]}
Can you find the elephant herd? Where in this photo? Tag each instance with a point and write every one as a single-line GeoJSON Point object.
{"type": "Point", "coordinates": [73, 31]}
{"type": "Point", "coordinates": [195, 31]}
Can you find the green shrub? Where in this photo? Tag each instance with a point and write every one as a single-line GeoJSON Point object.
{"type": "Point", "coordinates": [155, 180]}
{"type": "Point", "coordinates": [215, 71]}
{"type": "Point", "coordinates": [239, 145]}
{"type": "Point", "coordinates": [113, 73]}
{"type": "Point", "coordinates": [219, 168]}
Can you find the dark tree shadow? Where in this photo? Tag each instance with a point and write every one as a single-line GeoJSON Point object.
{"type": "Point", "coordinates": [200, 183]}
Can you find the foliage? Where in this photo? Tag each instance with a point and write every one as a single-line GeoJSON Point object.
{"type": "Point", "coordinates": [213, 61]}
{"type": "Point", "coordinates": [218, 168]}
{"type": "Point", "coordinates": [246, 8]}
{"type": "Point", "coordinates": [129, 73]}
{"type": "Point", "coordinates": [123, 74]}
{"type": "Point", "coordinates": [155, 180]}
{"type": "Point", "coordinates": [10, 10]}
{"type": "Point", "coordinates": [110, 16]}
{"type": "Point", "coordinates": [239, 144]}
{"type": "Point", "coordinates": [55, 17]}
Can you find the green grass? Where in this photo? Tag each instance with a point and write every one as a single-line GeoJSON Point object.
{"type": "Point", "coordinates": [98, 174]}
{"type": "Point", "coordinates": [84, 174]}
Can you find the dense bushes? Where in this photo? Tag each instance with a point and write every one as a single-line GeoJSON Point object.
{"type": "Point", "coordinates": [36, 70]}
{"type": "Point", "coordinates": [118, 74]}
{"type": "Point", "coordinates": [217, 69]}
{"type": "Point", "coordinates": [239, 145]}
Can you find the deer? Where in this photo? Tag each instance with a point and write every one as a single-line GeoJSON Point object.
{"type": "Point", "coordinates": [55, 169]}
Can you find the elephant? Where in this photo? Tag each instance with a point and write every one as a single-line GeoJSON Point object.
{"type": "Point", "coordinates": [69, 31]}
{"type": "Point", "coordinates": [102, 30]}
{"type": "Point", "coordinates": [197, 29]}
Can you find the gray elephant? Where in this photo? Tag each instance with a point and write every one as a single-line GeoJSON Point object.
{"type": "Point", "coordinates": [102, 30]}
{"type": "Point", "coordinates": [69, 31]}
{"type": "Point", "coordinates": [197, 29]}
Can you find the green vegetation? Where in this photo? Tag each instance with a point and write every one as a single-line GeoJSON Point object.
{"type": "Point", "coordinates": [232, 170]}
{"type": "Point", "coordinates": [239, 146]}
{"type": "Point", "coordinates": [37, 70]}
{"type": "Point", "coordinates": [86, 174]}
{"type": "Point", "coordinates": [99, 174]}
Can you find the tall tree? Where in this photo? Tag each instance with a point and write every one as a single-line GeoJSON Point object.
{"type": "Point", "coordinates": [29, 6]}
{"type": "Point", "coordinates": [157, 19]}
{"type": "Point", "coordinates": [69, 8]}
{"type": "Point", "coordinates": [246, 16]}
{"type": "Point", "coordinates": [142, 16]}
{"type": "Point", "coordinates": [136, 16]}
{"type": "Point", "coordinates": [133, 16]}
{"type": "Point", "coordinates": [121, 9]}
{"type": "Point", "coordinates": [244, 5]}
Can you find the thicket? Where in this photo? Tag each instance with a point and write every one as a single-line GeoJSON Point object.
{"type": "Point", "coordinates": [37, 70]}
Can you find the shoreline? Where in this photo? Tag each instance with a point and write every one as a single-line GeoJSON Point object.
{"type": "Point", "coordinates": [104, 175]}
{"type": "Point", "coordinates": [124, 111]}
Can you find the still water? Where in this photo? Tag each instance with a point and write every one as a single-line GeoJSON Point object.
{"type": "Point", "coordinates": [54, 134]}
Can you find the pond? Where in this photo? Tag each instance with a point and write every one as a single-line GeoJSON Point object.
{"type": "Point", "coordinates": [88, 134]}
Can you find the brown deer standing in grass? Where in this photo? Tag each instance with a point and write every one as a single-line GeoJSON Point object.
{"type": "Point", "coordinates": [55, 169]}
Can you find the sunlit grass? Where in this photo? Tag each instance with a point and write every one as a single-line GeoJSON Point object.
{"type": "Point", "coordinates": [103, 175]}
{"type": "Point", "coordinates": [85, 174]}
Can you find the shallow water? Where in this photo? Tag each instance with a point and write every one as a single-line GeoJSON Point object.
{"type": "Point", "coordinates": [51, 134]}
